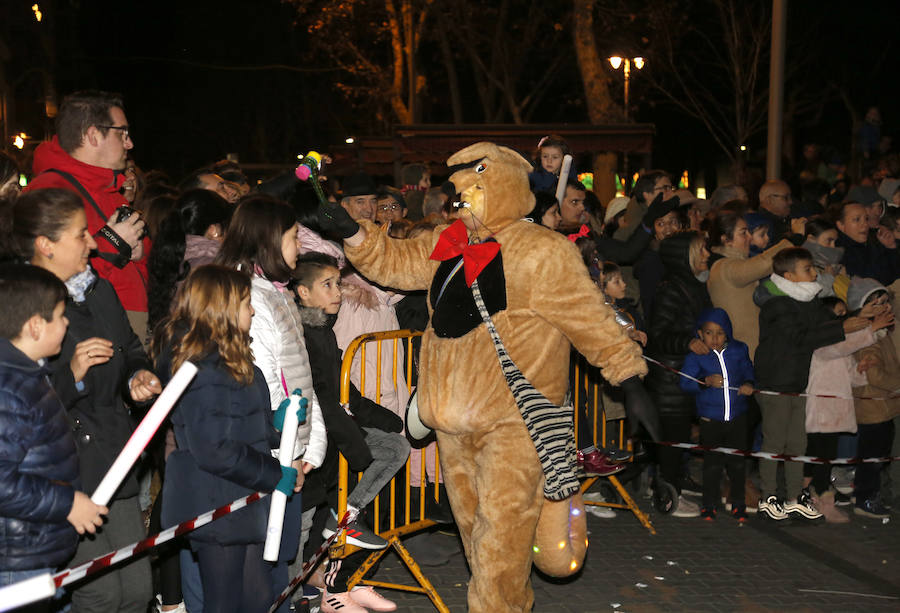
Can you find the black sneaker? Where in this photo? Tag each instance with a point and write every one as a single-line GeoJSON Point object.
{"type": "Point", "coordinates": [803, 507]}
{"type": "Point", "coordinates": [872, 507]}
{"type": "Point", "coordinates": [772, 508]}
{"type": "Point", "coordinates": [357, 534]}
{"type": "Point", "coordinates": [739, 512]}
{"type": "Point", "coordinates": [708, 514]}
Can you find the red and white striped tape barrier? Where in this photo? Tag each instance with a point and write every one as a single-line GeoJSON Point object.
{"type": "Point", "coordinates": [313, 561]}
{"type": "Point", "coordinates": [43, 587]}
{"type": "Point", "coordinates": [70, 575]}
{"type": "Point", "coordinates": [780, 457]}
{"type": "Point", "coordinates": [893, 396]}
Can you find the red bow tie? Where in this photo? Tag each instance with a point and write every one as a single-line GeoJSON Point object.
{"type": "Point", "coordinates": [583, 231]}
{"type": "Point", "coordinates": [455, 241]}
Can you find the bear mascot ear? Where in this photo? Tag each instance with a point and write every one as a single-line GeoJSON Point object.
{"type": "Point", "coordinates": [490, 151]}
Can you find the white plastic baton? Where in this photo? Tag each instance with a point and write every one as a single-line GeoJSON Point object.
{"type": "Point", "coordinates": [563, 178]}
{"type": "Point", "coordinates": [143, 433]}
{"type": "Point", "coordinates": [279, 499]}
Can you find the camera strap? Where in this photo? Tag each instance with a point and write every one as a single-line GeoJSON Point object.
{"type": "Point", "coordinates": [123, 250]}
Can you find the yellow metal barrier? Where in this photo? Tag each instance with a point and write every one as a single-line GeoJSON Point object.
{"type": "Point", "coordinates": [409, 522]}
{"type": "Point", "coordinates": [587, 378]}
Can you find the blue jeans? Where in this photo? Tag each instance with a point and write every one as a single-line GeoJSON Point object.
{"type": "Point", "coordinates": [8, 577]}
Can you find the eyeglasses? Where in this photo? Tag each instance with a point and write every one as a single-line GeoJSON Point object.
{"type": "Point", "coordinates": [389, 207]}
{"type": "Point", "coordinates": [123, 129]}
{"type": "Point", "coordinates": [664, 188]}
{"type": "Point", "coordinates": [785, 196]}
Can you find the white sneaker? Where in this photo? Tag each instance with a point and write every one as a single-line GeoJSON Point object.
{"type": "Point", "coordinates": [772, 508]}
{"type": "Point", "coordinates": [686, 508]}
{"type": "Point", "coordinates": [603, 512]}
{"type": "Point", "coordinates": [803, 508]}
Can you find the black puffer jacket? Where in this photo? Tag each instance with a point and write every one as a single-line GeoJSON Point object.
{"type": "Point", "coordinates": [789, 332]}
{"type": "Point", "coordinates": [103, 423]}
{"type": "Point", "coordinates": [38, 467]}
{"type": "Point", "coordinates": [224, 433]}
{"type": "Point", "coordinates": [679, 300]}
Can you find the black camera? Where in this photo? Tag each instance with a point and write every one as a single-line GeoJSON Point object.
{"type": "Point", "coordinates": [125, 212]}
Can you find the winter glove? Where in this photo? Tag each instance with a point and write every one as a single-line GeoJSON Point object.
{"type": "Point", "coordinates": [278, 417]}
{"type": "Point", "coordinates": [288, 481]}
{"type": "Point", "coordinates": [639, 408]}
{"type": "Point", "coordinates": [336, 220]}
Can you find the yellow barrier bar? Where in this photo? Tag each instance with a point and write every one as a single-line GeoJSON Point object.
{"type": "Point", "coordinates": [589, 377]}
{"type": "Point", "coordinates": [409, 524]}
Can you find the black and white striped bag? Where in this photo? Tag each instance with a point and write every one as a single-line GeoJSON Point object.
{"type": "Point", "coordinates": [551, 427]}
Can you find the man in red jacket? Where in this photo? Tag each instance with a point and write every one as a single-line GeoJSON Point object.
{"type": "Point", "coordinates": [88, 156]}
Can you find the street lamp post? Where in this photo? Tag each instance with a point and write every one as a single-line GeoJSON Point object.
{"type": "Point", "coordinates": [616, 61]}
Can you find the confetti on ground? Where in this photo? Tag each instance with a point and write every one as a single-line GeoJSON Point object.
{"type": "Point", "coordinates": [660, 578]}
{"type": "Point", "coordinates": [671, 563]}
{"type": "Point", "coordinates": [615, 605]}
{"type": "Point", "coordinates": [648, 557]}
{"type": "Point", "coordinates": [640, 585]}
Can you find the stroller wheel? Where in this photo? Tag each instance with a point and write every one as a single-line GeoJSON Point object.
{"type": "Point", "coordinates": [665, 497]}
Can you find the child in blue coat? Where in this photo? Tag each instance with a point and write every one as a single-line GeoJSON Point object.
{"type": "Point", "coordinates": [727, 372]}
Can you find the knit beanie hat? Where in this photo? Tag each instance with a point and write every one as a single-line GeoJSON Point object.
{"type": "Point", "coordinates": [860, 289]}
{"type": "Point", "coordinates": [887, 188]}
{"type": "Point", "coordinates": [863, 194]}
{"type": "Point", "coordinates": [615, 206]}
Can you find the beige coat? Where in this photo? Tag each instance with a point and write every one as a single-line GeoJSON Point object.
{"type": "Point", "coordinates": [884, 379]}
{"type": "Point", "coordinates": [732, 281]}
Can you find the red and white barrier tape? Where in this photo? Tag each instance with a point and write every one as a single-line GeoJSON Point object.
{"type": "Point", "coordinates": [312, 562]}
{"type": "Point", "coordinates": [780, 457]}
{"type": "Point", "coordinates": [894, 396]}
{"type": "Point", "coordinates": [70, 575]}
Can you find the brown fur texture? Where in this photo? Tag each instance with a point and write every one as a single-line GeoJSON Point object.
{"type": "Point", "coordinates": [491, 469]}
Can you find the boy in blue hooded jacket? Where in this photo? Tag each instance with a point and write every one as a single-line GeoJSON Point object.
{"type": "Point", "coordinates": [727, 374]}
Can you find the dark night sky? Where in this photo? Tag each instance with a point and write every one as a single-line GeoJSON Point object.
{"type": "Point", "coordinates": [183, 114]}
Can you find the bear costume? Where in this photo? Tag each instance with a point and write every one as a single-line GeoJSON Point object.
{"type": "Point", "coordinates": [542, 301]}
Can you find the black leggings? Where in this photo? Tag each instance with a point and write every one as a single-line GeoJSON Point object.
{"type": "Point", "coordinates": [820, 445]}
{"type": "Point", "coordinates": [235, 579]}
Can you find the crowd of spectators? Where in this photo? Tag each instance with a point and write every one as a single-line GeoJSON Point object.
{"type": "Point", "coordinates": [787, 288]}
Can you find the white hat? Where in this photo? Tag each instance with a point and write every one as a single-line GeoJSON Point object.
{"type": "Point", "coordinates": [615, 206]}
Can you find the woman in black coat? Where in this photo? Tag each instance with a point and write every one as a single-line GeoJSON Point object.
{"type": "Point", "coordinates": [101, 363]}
{"type": "Point", "coordinates": [679, 300]}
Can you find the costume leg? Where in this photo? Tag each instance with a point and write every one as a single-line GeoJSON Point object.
{"type": "Point", "coordinates": [500, 473]}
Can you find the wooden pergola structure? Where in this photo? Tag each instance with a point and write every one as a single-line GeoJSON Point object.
{"type": "Point", "coordinates": [434, 143]}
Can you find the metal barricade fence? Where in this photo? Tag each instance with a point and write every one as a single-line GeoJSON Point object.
{"type": "Point", "coordinates": [398, 490]}
{"type": "Point", "coordinates": [588, 392]}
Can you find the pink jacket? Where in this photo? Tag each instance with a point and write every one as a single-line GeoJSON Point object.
{"type": "Point", "coordinates": [833, 371]}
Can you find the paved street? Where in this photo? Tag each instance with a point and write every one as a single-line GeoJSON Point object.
{"type": "Point", "coordinates": [693, 565]}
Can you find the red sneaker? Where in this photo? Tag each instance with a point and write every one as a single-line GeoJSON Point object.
{"type": "Point", "coordinates": [598, 464]}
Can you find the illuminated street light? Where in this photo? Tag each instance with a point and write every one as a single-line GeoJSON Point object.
{"type": "Point", "coordinates": [19, 140]}
{"type": "Point", "coordinates": [349, 140]}
{"type": "Point", "coordinates": [616, 61]}
{"type": "Point", "coordinates": [37, 12]}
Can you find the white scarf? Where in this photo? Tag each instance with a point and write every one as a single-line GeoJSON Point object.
{"type": "Point", "coordinates": [803, 291]}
